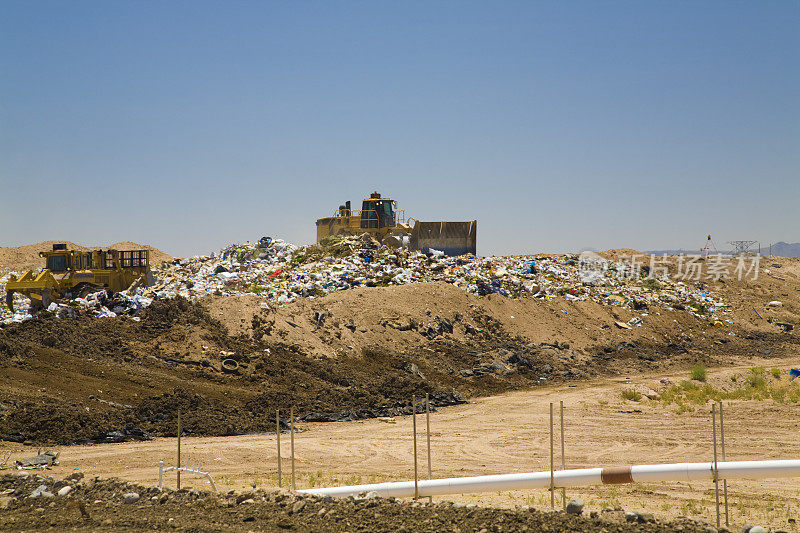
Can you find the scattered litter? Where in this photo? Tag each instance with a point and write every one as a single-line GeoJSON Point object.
{"type": "Point", "coordinates": [43, 460]}
{"type": "Point", "coordinates": [128, 433]}
{"type": "Point", "coordinates": [230, 366]}
{"type": "Point", "coordinates": [42, 492]}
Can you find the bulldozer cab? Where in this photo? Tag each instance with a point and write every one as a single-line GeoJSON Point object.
{"type": "Point", "coordinates": [377, 212]}
{"type": "Point", "coordinates": [58, 263]}
{"type": "Point", "coordinates": [58, 260]}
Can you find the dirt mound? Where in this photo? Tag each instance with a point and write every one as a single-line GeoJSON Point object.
{"type": "Point", "coordinates": [68, 380]}
{"type": "Point", "coordinates": [419, 317]}
{"type": "Point", "coordinates": [619, 254]}
{"type": "Point", "coordinates": [94, 503]}
{"type": "Point", "coordinates": [352, 354]}
{"type": "Point", "coordinates": [156, 256]}
{"type": "Point", "coordinates": [26, 257]}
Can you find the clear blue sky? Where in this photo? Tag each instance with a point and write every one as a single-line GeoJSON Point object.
{"type": "Point", "coordinates": [558, 125]}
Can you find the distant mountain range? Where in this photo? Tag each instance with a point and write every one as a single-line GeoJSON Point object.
{"type": "Point", "coordinates": [781, 249]}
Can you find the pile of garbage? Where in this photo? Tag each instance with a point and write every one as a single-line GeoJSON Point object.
{"type": "Point", "coordinates": [281, 272]}
{"type": "Point", "coordinates": [102, 303]}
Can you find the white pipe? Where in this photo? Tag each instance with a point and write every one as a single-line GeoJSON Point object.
{"type": "Point", "coordinates": [196, 470]}
{"type": "Point", "coordinates": [573, 478]}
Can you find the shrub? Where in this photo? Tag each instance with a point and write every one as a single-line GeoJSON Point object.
{"type": "Point", "coordinates": [631, 394]}
{"type": "Point", "coordinates": [756, 378]}
{"type": "Point", "coordinates": [776, 373]}
{"type": "Point", "coordinates": [689, 385]}
{"type": "Point", "coordinates": [699, 373]}
{"type": "Point", "coordinates": [651, 284]}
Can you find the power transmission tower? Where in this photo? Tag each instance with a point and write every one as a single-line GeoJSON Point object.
{"type": "Point", "coordinates": [742, 247]}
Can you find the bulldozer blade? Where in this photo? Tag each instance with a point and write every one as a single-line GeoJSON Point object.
{"type": "Point", "coordinates": [452, 238]}
{"type": "Point", "coordinates": [10, 300]}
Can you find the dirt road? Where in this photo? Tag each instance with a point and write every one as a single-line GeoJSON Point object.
{"type": "Point", "coordinates": [503, 434]}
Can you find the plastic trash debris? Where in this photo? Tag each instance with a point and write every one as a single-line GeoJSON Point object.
{"type": "Point", "coordinates": [43, 460]}
{"type": "Point", "coordinates": [279, 272]}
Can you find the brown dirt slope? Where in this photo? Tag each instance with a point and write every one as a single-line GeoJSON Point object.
{"type": "Point", "coordinates": [27, 257]}
{"type": "Point", "coordinates": [353, 354]}
{"type": "Point", "coordinates": [364, 317]}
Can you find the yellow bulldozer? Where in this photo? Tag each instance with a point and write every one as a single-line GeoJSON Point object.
{"type": "Point", "coordinates": [380, 218]}
{"type": "Point", "coordinates": [72, 273]}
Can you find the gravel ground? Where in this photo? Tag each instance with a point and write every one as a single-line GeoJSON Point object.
{"type": "Point", "coordinates": [99, 505]}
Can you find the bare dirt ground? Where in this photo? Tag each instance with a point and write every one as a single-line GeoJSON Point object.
{"type": "Point", "coordinates": [365, 360]}
{"type": "Point", "coordinates": [504, 434]}
{"type": "Point", "coordinates": [63, 381]}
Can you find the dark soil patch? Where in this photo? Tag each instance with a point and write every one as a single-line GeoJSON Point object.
{"type": "Point", "coordinates": [98, 505]}
{"type": "Point", "coordinates": [64, 381]}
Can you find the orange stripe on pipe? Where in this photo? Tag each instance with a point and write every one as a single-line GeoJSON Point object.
{"type": "Point", "coordinates": [616, 475]}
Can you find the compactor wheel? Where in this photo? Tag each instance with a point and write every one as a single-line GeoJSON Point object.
{"type": "Point", "coordinates": [46, 301]}
{"type": "Point", "coordinates": [36, 305]}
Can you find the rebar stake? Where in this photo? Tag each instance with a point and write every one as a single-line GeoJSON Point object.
{"type": "Point", "coordinates": [179, 448]}
{"type": "Point", "coordinates": [563, 460]}
{"type": "Point", "coordinates": [278, 434]}
{"type": "Point", "coordinates": [724, 481]}
{"type": "Point", "coordinates": [291, 437]}
{"type": "Point", "coordinates": [414, 429]}
{"type": "Point", "coordinates": [716, 472]}
{"type": "Point", "coordinates": [552, 478]}
{"type": "Point", "coordinates": [428, 434]}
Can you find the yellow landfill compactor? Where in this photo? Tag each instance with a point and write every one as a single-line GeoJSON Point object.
{"type": "Point", "coordinates": [380, 218]}
{"type": "Point", "coordinates": [71, 273]}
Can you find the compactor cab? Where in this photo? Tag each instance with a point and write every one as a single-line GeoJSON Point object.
{"type": "Point", "coordinates": [377, 212]}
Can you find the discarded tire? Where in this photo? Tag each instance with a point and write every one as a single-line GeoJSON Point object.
{"type": "Point", "coordinates": [230, 366]}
